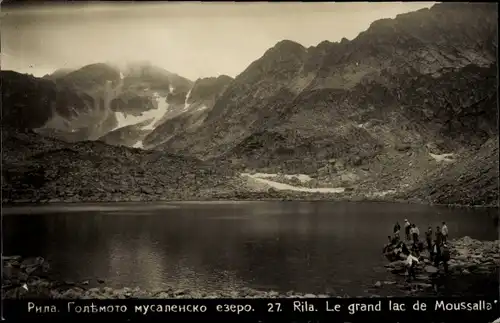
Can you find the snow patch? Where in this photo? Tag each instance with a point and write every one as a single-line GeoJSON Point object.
{"type": "Point", "coordinates": [281, 186]}
{"type": "Point", "coordinates": [300, 177]}
{"type": "Point", "coordinates": [203, 107]}
{"type": "Point", "coordinates": [443, 157]}
{"type": "Point", "coordinates": [186, 104]}
{"type": "Point", "coordinates": [158, 113]}
{"type": "Point", "coordinates": [170, 89]}
{"type": "Point", "coordinates": [383, 193]}
{"type": "Point", "coordinates": [138, 144]}
{"type": "Point", "coordinates": [154, 115]}
{"type": "Point", "coordinates": [122, 76]}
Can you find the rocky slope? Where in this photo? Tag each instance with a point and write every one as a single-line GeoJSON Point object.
{"type": "Point", "coordinates": [198, 105]}
{"type": "Point", "coordinates": [366, 72]}
{"type": "Point", "coordinates": [41, 169]}
{"type": "Point", "coordinates": [20, 93]}
{"type": "Point", "coordinates": [376, 112]}
{"type": "Point", "coordinates": [472, 180]}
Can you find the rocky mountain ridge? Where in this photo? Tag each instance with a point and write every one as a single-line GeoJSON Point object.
{"type": "Point", "coordinates": [374, 112]}
{"type": "Point", "coordinates": [417, 44]}
{"type": "Point", "coordinates": [406, 107]}
{"type": "Point", "coordinates": [101, 102]}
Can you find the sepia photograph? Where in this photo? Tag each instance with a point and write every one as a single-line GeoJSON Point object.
{"type": "Point", "coordinates": [230, 150]}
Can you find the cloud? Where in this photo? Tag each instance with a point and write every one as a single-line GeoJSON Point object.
{"type": "Point", "coordinates": [191, 39]}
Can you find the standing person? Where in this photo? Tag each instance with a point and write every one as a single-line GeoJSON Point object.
{"type": "Point", "coordinates": [437, 253]}
{"type": "Point", "coordinates": [396, 237]}
{"type": "Point", "coordinates": [428, 238]}
{"type": "Point", "coordinates": [444, 231]}
{"type": "Point", "coordinates": [407, 229]}
{"type": "Point", "coordinates": [415, 249]}
{"type": "Point", "coordinates": [395, 240]}
{"type": "Point", "coordinates": [396, 228]}
{"type": "Point", "coordinates": [445, 256]}
{"type": "Point", "coordinates": [439, 235]}
{"type": "Point", "coordinates": [404, 248]}
{"type": "Point", "coordinates": [411, 262]}
{"type": "Point", "coordinates": [414, 233]}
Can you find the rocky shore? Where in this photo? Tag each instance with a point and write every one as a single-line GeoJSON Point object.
{"type": "Point", "coordinates": [469, 257]}
{"type": "Point", "coordinates": [32, 278]}
{"type": "Point", "coordinates": [271, 195]}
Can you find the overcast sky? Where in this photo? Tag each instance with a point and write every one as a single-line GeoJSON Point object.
{"type": "Point", "coordinates": [191, 39]}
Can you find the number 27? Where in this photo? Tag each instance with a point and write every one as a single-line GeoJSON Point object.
{"type": "Point", "coordinates": [272, 306]}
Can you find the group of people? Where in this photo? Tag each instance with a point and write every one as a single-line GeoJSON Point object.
{"type": "Point", "coordinates": [437, 247]}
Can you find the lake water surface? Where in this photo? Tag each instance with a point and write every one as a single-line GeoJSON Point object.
{"type": "Point", "coordinates": [309, 247]}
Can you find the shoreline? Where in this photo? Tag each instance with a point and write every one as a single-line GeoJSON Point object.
{"type": "Point", "coordinates": [239, 198]}
{"type": "Point", "coordinates": [469, 257]}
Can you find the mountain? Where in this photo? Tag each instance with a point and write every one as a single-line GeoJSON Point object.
{"type": "Point", "coordinates": [31, 103]}
{"type": "Point", "coordinates": [374, 112]}
{"type": "Point", "coordinates": [90, 102]}
{"type": "Point", "coordinates": [61, 72]}
{"type": "Point", "coordinates": [407, 110]}
{"type": "Point", "coordinates": [198, 104]}
{"type": "Point", "coordinates": [119, 106]}
{"type": "Point", "coordinates": [425, 43]}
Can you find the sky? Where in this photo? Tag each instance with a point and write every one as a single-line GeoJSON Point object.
{"type": "Point", "coordinates": [192, 39]}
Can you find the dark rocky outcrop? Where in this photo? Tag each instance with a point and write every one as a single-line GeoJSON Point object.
{"type": "Point", "coordinates": [21, 93]}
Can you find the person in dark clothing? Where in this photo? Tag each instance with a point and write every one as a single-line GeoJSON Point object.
{"type": "Point", "coordinates": [439, 235]}
{"type": "Point", "coordinates": [389, 245]}
{"type": "Point", "coordinates": [428, 238]}
{"type": "Point", "coordinates": [397, 227]}
{"type": "Point", "coordinates": [445, 256]}
{"type": "Point", "coordinates": [404, 249]}
{"type": "Point", "coordinates": [420, 246]}
{"type": "Point", "coordinates": [396, 237]}
{"type": "Point", "coordinates": [407, 226]}
{"type": "Point", "coordinates": [437, 254]}
{"type": "Point", "coordinates": [414, 233]}
{"type": "Point", "coordinates": [415, 249]}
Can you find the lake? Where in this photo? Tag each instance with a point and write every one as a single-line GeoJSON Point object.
{"type": "Point", "coordinates": [309, 247]}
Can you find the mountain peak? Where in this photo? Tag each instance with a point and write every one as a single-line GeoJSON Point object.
{"type": "Point", "coordinates": [285, 48]}
{"type": "Point", "coordinates": [288, 45]}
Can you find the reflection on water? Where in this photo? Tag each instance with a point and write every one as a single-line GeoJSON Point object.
{"type": "Point", "coordinates": [308, 247]}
